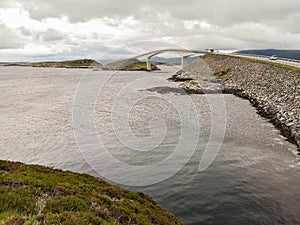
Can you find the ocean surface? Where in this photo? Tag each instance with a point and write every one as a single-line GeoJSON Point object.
{"type": "Point", "coordinates": [138, 130]}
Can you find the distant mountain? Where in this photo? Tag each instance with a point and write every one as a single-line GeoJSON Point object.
{"type": "Point", "coordinates": [116, 65]}
{"type": "Point", "coordinates": [107, 61]}
{"type": "Point", "coordinates": [290, 54]}
{"type": "Point", "coordinates": [176, 60]}
{"type": "Point", "coordinates": [165, 60]}
{"type": "Point", "coordinates": [15, 64]}
{"type": "Point", "coordinates": [155, 59]}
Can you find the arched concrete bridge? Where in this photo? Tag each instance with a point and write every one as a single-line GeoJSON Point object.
{"type": "Point", "coordinates": [183, 53]}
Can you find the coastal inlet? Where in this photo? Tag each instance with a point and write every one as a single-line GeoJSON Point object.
{"type": "Point", "coordinates": [253, 180]}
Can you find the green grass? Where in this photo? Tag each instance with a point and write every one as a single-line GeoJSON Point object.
{"type": "Point", "coordinates": [137, 65]}
{"type": "Point", "coordinates": [4, 216]}
{"type": "Point", "coordinates": [140, 66]}
{"type": "Point", "coordinates": [221, 73]}
{"type": "Point", "coordinates": [35, 195]}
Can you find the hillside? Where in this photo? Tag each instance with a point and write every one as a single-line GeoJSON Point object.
{"type": "Point", "coordinates": [290, 54]}
{"type": "Point", "coordinates": [79, 63]}
{"type": "Point", "coordinates": [31, 194]}
{"type": "Point", "coordinates": [128, 65]}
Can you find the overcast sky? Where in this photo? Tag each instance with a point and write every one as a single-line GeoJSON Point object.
{"type": "Point", "coordinates": [33, 30]}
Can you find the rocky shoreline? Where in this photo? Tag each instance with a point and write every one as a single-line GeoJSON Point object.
{"type": "Point", "coordinates": [273, 89]}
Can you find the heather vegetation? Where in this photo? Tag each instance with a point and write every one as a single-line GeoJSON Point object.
{"type": "Point", "coordinates": [31, 194]}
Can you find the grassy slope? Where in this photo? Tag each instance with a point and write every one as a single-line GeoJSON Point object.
{"type": "Point", "coordinates": [140, 66]}
{"type": "Point", "coordinates": [31, 194]}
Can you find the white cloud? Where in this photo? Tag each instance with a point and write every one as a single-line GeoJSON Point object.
{"type": "Point", "coordinates": [63, 26]}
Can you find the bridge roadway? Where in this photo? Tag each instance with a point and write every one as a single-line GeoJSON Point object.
{"type": "Point", "coordinates": [183, 53]}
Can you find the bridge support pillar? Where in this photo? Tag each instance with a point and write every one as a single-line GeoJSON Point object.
{"type": "Point", "coordinates": [184, 61]}
{"type": "Point", "coordinates": [148, 64]}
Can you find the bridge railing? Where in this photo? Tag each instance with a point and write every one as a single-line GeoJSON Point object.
{"type": "Point", "coordinates": [291, 60]}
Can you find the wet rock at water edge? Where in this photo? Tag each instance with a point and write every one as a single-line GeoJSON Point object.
{"type": "Point", "coordinates": [192, 86]}
{"type": "Point", "coordinates": [181, 76]}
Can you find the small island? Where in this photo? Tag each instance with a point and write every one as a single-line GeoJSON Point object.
{"type": "Point", "coordinates": [79, 63]}
{"type": "Point", "coordinates": [32, 194]}
{"type": "Point", "coordinates": [122, 65]}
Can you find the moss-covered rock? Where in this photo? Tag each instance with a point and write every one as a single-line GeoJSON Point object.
{"type": "Point", "coordinates": [31, 194]}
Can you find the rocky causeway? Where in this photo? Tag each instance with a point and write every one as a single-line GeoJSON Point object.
{"type": "Point", "coordinates": [273, 89]}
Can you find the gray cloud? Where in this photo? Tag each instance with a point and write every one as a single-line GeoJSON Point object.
{"type": "Point", "coordinates": [8, 4]}
{"type": "Point", "coordinates": [25, 31]}
{"type": "Point", "coordinates": [218, 12]}
{"type": "Point", "coordinates": [278, 14]}
{"type": "Point", "coordinates": [10, 39]}
{"type": "Point", "coordinates": [50, 35]}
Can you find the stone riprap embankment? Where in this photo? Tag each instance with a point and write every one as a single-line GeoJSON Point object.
{"type": "Point", "coordinates": [273, 89]}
